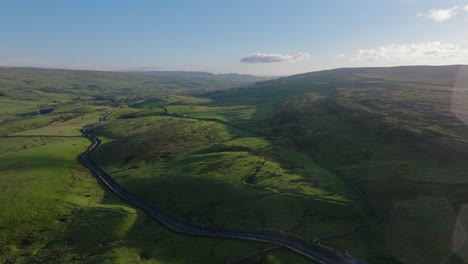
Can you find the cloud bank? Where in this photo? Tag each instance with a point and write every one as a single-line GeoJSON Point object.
{"type": "Point", "coordinates": [270, 58]}
{"type": "Point", "coordinates": [441, 15]}
{"type": "Point", "coordinates": [434, 52]}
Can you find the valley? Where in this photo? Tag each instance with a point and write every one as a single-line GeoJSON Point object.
{"type": "Point", "coordinates": [275, 155]}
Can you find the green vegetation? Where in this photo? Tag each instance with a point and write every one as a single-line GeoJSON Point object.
{"type": "Point", "coordinates": [393, 131]}
{"type": "Point", "coordinates": [29, 83]}
{"type": "Point", "coordinates": [55, 211]}
{"type": "Point", "coordinates": [150, 103]}
{"type": "Point", "coordinates": [397, 133]}
{"type": "Point", "coordinates": [211, 173]}
{"type": "Point", "coordinates": [24, 91]}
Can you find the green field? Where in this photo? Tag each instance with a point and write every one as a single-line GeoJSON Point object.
{"type": "Point", "coordinates": [150, 103]}
{"type": "Point", "coordinates": [55, 211]}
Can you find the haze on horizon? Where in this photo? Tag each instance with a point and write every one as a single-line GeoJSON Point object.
{"type": "Point", "coordinates": [253, 37]}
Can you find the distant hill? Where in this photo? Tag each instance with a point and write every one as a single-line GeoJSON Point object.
{"type": "Point", "coordinates": [54, 84]}
{"type": "Point", "coordinates": [235, 78]}
{"type": "Point", "coordinates": [429, 94]}
{"type": "Point", "coordinates": [437, 74]}
{"type": "Point", "coordinates": [245, 77]}
{"type": "Point", "coordinates": [421, 109]}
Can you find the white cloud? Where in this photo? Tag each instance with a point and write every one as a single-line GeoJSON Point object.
{"type": "Point", "coordinates": [340, 55]}
{"type": "Point", "coordinates": [432, 52]}
{"type": "Point", "coordinates": [269, 57]}
{"type": "Point", "coordinates": [441, 15]}
{"type": "Point", "coordinates": [466, 8]}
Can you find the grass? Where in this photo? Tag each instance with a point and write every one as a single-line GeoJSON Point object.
{"type": "Point", "coordinates": [10, 107]}
{"type": "Point", "coordinates": [433, 219]}
{"type": "Point", "coordinates": [55, 211]}
{"type": "Point", "coordinates": [66, 127]}
{"type": "Point", "coordinates": [12, 126]}
{"type": "Point", "coordinates": [394, 132]}
{"type": "Point", "coordinates": [36, 190]}
{"type": "Point", "coordinates": [76, 108]}
{"type": "Point", "coordinates": [210, 173]}
{"type": "Point", "coordinates": [151, 103]}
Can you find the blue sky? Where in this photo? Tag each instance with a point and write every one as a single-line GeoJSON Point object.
{"type": "Point", "coordinates": [245, 36]}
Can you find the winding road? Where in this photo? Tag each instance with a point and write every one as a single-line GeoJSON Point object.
{"type": "Point", "coordinates": [316, 252]}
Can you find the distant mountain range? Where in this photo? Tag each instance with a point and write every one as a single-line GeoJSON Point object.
{"type": "Point", "coordinates": [237, 79]}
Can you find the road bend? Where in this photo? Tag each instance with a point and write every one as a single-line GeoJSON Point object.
{"type": "Point", "coordinates": [316, 252]}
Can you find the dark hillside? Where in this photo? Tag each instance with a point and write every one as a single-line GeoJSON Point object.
{"type": "Point", "coordinates": [400, 134]}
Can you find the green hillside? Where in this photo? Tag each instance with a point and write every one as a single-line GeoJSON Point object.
{"type": "Point", "coordinates": [398, 133]}
{"type": "Point", "coordinates": [274, 155]}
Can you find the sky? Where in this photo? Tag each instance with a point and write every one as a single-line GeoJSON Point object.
{"type": "Point", "coordinates": [259, 37]}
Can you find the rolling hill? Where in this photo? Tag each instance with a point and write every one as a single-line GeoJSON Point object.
{"type": "Point", "coordinates": [399, 133]}
{"type": "Point", "coordinates": [234, 79]}
{"type": "Point", "coordinates": [30, 83]}
{"type": "Point", "coordinates": [268, 155]}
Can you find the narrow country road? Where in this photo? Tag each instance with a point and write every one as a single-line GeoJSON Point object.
{"type": "Point", "coordinates": [316, 252]}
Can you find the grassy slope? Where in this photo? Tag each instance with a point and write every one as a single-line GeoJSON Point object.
{"type": "Point", "coordinates": [207, 168]}
{"type": "Point", "coordinates": [206, 172]}
{"type": "Point", "coordinates": [55, 211]}
{"type": "Point", "coordinates": [393, 131]}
